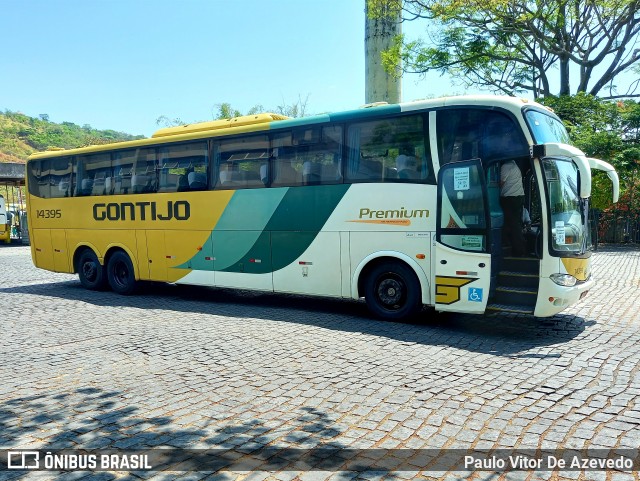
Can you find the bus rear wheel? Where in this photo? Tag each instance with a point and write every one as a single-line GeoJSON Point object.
{"type": "Point", "coordinates": [120, 273]}
{"type": "Point", "coordinates": [392, 291]}
{"type": "Point", "coordinates": [90, 271]}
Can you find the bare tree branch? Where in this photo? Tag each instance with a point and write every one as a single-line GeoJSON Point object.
{"type": "Point", "coordinates": [511, 45]}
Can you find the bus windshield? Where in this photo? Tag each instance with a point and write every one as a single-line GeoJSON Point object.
{"type": "Point", "coordinates": [567, 226]}
{"type": "Point", "coordinates": [545, 128]}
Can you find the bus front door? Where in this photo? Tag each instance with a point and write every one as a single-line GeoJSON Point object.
{"type": "Point", "coordinates": [462, 251]}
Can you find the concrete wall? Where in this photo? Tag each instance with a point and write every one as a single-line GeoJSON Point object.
{"type": "Point", "coordinates": [10, 172]}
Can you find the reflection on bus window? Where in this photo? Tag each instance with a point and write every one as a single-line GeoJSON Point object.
{"type": "Point", "coordinates": [390, 150]}
{"type": "Point", "coordinates": [121, 170]}
{"type": "Point", "coordinates": [308, 156]}
{"type": "Point", "coordinates": [51, 177]}
{"type": "Point", "coordinates": [568, 229]}
{"type": "Point", "coordinates": [546, 128]}
{"type": "Point", "coordinates": [463, 215]}
{"type": "Point", "coordinates": [243, 163]}
{"type": "Point", "coordinates": [143, 177]}
{"type": "Point", "coordinates": [93, 171]}
{"type": "Point", "coordinates": [464, 193]}
{"type": "Point", "coordinates": [183, 167]}
{"type": "Point", "coordinates": [468, 133]}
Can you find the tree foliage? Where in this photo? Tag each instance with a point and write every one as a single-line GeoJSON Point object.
{"type": "Point", "coordinates": [226, 111]}
{"type": "Point", "coordinates": [21, 135]}
{"type": "Point", "coordinates": [294, 109]}
{"type": "Point", "coordinates": [545, 47]}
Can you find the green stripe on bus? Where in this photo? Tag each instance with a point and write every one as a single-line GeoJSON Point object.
{"type": "Point", "coordinates": [240, 226]}
{"type": "Point", "coordinates": [263, 230]}
{"type": "Point", "coordinates": [301, 215]}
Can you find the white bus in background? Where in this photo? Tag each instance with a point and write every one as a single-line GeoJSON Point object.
{"type": "Point", "coordinates": [5, 222]}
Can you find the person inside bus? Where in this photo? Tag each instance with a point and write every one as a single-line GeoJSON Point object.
{"type": "Point", "coordinates": [406, 163]}
{"type": "Point", "coordinates": [512, 203]}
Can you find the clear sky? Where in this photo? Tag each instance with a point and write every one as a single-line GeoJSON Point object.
{"type": "Point", "coordinates": [121, 64]}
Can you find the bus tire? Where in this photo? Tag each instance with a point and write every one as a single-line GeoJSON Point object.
{"type": "Point", "coordinates": [90, 271]}
{"type": "Point", "coordinates": [120, 273]}
{"type": "Point", "coordinates": [392, 291]}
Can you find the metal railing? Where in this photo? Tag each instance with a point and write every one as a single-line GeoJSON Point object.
{"type": "Point", "coordinates": [615, 227]}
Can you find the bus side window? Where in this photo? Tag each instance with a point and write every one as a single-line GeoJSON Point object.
{"type": "Point", "coordinates": [183, 167]}
{"type": "Point", "coordinates": [493, 149]}
{"type": "Point", "coordinates": [50, 177]}
{"type": "Point", "coordinates": [470, 133]}
{"type": "Point", "coordinates": [392, 150]}
{"type": "Point", "coordinates": [99, 183]}
{"type": "Point", "coordinates": [308, 156]}
{"type": "Point", "coordinates": [34, 174]}
{"type": "Point", "coordinates": [121, 166]}
{"type": "Point", "coordinates": [93, 171]}
{"type": "Point", "coordinates": [286, 170]}
{"type": "Point", "coordinates": [332, 149]}
{"type": "Point", "coordinates": [242, 163]}
{"type": "Point", "coordinates": [121, 170]}
{"type": "Point", "coordinates": [144, 175]}
{"type": "Point", "coordinates": [60, 177]}
{"type": "Point", "coordinates": [285, 166]}
{"type": "Point", "coordinates": [459, 134]}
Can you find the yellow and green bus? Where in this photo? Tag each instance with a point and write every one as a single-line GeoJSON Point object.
{"type": "Point", "coordinates": [396, 204]}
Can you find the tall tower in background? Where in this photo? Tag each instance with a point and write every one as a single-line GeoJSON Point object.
{"type": "Point", "coordinates": [379, 33]}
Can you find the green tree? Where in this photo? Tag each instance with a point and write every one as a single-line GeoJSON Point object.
{"type": "Point", "coordinates": [225, 111]}
{"type": "Point", "coordinates": [295, 109]}
{"type": "Point", "coordinates": [511, 46]}
{"type": "Point", "coordinates": [21, 135]}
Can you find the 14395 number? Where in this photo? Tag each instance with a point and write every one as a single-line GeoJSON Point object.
{"type": "Point", "coordinates": [49, 214]}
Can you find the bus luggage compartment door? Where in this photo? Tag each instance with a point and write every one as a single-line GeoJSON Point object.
{"type": "Point", "coordinates": [50, 248]}
{"type": "Point", "coordinates": [42, 250]}
{"type": "Point", "coordinates": [60, 252]}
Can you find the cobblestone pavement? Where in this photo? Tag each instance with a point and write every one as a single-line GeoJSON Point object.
{"type": "Point", "coordinates": [204, 368]}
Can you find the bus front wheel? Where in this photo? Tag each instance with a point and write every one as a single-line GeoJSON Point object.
{"type": "Point", "coordinates": [120, 273]}
{"type": "Point", "coordinates": [90, 271]}
{"type": "Point", "coordinates": [392, 291]}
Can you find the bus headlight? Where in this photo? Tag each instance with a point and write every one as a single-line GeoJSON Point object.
{"type": "Point", "coordinates": [565, 280]}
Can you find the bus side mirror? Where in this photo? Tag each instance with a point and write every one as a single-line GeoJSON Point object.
{"type": "Point", "coordinates": [538, 151]}
{"type": "Point", "coordinates": [611, 173]}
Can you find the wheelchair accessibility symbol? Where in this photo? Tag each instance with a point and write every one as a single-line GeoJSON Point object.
{"type": "Point", "coordinates": [475, 294]}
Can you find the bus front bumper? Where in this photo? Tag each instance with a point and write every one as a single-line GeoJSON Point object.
{"type": "Point", "coordinates": [553, 298]}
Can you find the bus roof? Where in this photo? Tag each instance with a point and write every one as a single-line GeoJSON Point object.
{"type": "Point", "coordinates": [269, 121]}
{"type": "Point", "coordinates": [219, 124]}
